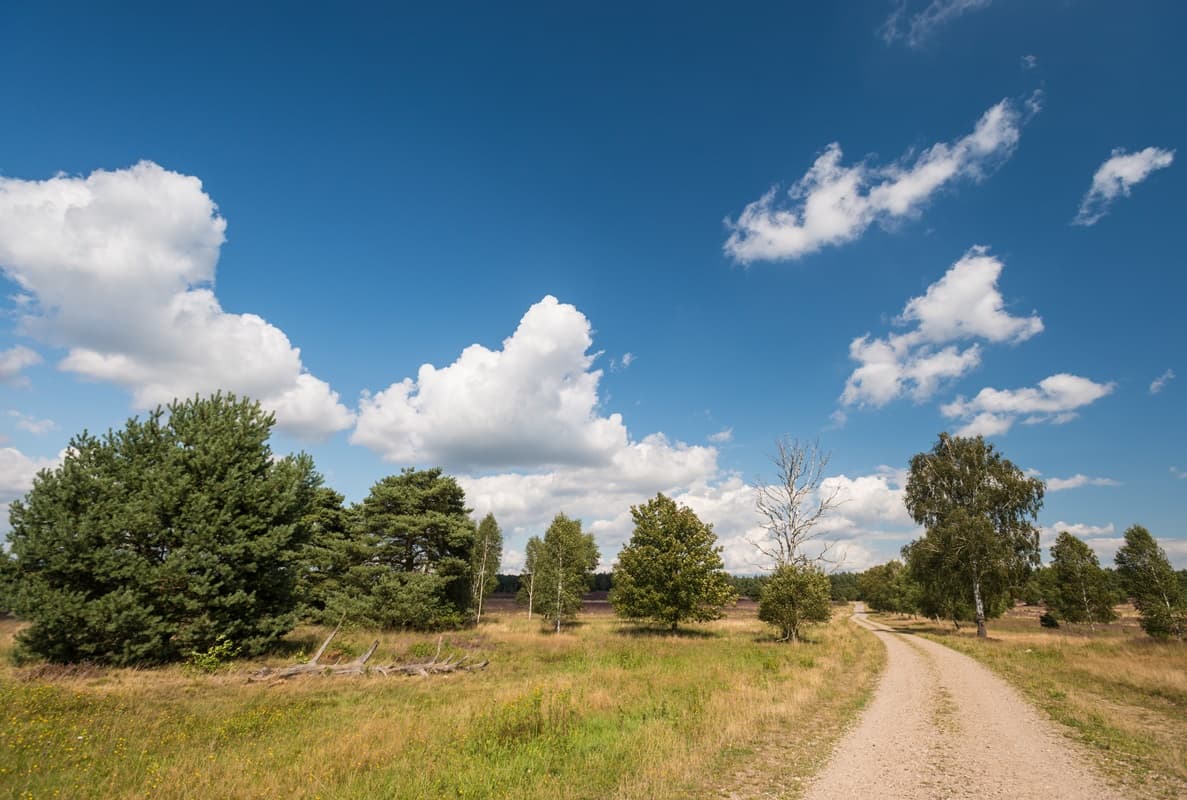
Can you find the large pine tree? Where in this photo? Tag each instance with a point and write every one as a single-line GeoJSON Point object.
{"type": "Point", "coordinates": [166, 537]}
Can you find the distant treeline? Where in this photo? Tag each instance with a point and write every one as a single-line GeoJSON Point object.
{"type": "Point", "coordinates": [843, 585]}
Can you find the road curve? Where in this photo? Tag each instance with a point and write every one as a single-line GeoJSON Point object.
{"type": "Point", "coordinates": [940, 725]}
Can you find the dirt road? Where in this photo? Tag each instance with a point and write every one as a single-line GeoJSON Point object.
{"type": "Point", "coordinates": [941, 725]}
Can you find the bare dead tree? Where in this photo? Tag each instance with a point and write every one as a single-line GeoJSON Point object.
{"type": "Point", "coordinates": [359, 666]}
{"type": "Point", "coordinates": [794, 505]}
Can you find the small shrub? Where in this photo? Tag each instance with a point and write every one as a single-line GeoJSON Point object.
{"type": "Point", "coordinates": [216, 657]}
{"type": "Point", "coordinates": [1048, 620]}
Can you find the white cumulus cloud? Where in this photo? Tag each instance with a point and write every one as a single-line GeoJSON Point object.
{"type": "Point", "coordinates": [963, 305]}
{"type": "Point", "coordinates": [1116, 177]}
{"type": "Point", "coordinates": [531, 404]}
{"type": "Point", "coordinates": [119, 269]}
{"type": "Point", "coordinates": [1054, 400]}
{"type": "Point", "coordinates": [835, 203]}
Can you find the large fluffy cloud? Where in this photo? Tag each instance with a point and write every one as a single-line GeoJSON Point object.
{"type": "Point", "coordinates": [835, 203]}
{"type": "Point", "coordinates": [963, 305]}
{"type": "Point", "coordinates": [118, 268]}
{"type": "Point", "coordinates": [1055, 399]}
{"type": "Point", "coordinates": [1116, 177]}
{"type": "Point", "coordinates": [531, 404]}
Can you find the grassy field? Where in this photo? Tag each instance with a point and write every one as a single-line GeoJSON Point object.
{"type": "Point", "coordinates": [1117, 691]}
{"type": "Point", "coordinates": [603, 710]}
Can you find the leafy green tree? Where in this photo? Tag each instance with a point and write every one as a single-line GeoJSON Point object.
{"type": "Point", "coordinates": [793, 596]}
{"type": "Point", "coordinates": [168, 537]}
{"type": "Point", "coordinates": [1081, 587]}
{"type": "Point", "coordinates": [1153, 584]}
{"type": "Point", "coordinates": [941, 594]}
{"type": "Point", "coordinates": [979, 510]}
{"type": "Point", "coordinates": [527, 580]}
{"type": "Point", "coordinates": [417, 541]}
{"type": "Point", "coordinates": [749, 586]}
{"type": "Point", "coordinates": [671, 570]}
{"type": "Point", "coordinates": [889, 587]}
{"type": "Point", "coordinates": [843, 586]}
{"type": "Point", "coordinates": [563, 568]}
{"type": "Point", "coordinates": [485, 558]}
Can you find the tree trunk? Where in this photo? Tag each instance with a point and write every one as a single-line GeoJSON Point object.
{"type": "Point", "coordinates": [560, 587]}
{"type": "Point", "coordinates": [531, 592]}
{"type": "Point", "coordinates": [979, 610]}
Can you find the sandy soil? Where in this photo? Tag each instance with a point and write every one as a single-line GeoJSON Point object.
{"type": "Point", "coordinates": [941, 725]}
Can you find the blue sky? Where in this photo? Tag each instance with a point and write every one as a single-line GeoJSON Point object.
{"type": "Point", "coordinates": [308, 206]}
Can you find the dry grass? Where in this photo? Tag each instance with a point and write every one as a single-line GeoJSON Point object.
{"type": "Point", "coordinates": [1117, 691]}
{"type": "Point", "coordinates": [601, 711]}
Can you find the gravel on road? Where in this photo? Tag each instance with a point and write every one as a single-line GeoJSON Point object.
{"type": "Point", "coordinates": [940, 725]}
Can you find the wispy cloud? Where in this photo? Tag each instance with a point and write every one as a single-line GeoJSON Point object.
{"type": "Point", "coordinates": [834, 203]}
{"type": "Point", "coordinates": [1076, 481]}
{"type": "Point", "coordinates": [1029, 62]}
{"type": "Point", "coordinates": [722, 436]}
{"type": "Point", "coordinates": [915, 29]}
{"type": "Point", "coordinates": [13, 362]}
{"type": "Point", "coordinates": [1159, 383]}
{"type": "Point", "coordinates": [1116, 177]}
{"type": "Point", "coordinates": [33, 425]}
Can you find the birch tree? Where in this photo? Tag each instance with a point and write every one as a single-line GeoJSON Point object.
{"type": "Point", "coordinates": [486, 555]}
{"type": "Point", "coordinates": [1152, 583]}
{"type": "Point", "coordinates": [978, 509]}
{"type": "Point", "coordinates": [527, 578]}
{"type": "Point", "coordinates": [1081, 586]}
{"type": "Point", "coordinates": [794, 505]}
{"type": "Point", "coordinates": [564, 565]}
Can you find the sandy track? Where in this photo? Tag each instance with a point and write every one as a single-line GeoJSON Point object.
{"type": "Point", "coordinates": [941, 725]}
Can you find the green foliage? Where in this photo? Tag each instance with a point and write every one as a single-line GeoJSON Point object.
{"type": "Point", "coordinates": [407, 556]}
{"type": "Point", "coordinates": [748, 585]}
{"type": "Point", "coordinates": [216, 657]}
{"type": "Point", "coordinates": [1152, 583]}
{"type": "Point", "coordinates": [979, 510]}
{"type": "Point", "coordinates": [333, 549]}
{"type": "Point", "coordinates": [1080, 590]}
{"type": "Point", "coordinates": [793, 596]}
{"type": "Point", "coordinates": [670, 571]}
{"type": "Point", "coordinates": [484, 562]}
{"type": "Point", "coordinates": [167, 537]}
{"type": "Point", "coordinates": [563, 564]}
{"type": "Point", "coordinates": [889, 587]}
{"type": "Point", "coordinates": [843, 586]}
{"type": "Point", "coordinates": [526, 594]}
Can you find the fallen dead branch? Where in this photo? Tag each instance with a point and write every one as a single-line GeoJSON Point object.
{"type": "Point", "coordinates": [359, 666]}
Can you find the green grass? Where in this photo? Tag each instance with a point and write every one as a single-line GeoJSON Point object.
{"type": "Point", "coordinates": [602, 710]}
{"type": "Point", "coordinates": [1117, 691]}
